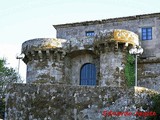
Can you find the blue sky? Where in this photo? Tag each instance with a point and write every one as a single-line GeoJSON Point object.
{"type": "Point", "coordinates": [21, 20]}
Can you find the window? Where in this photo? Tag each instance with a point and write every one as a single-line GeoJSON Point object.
{"type": "Point", "coordinates": [147, 33]}
{"type": "Point", "coordinates": [90, 33]}
{"type": "Point", "coordinates": [88, 74]}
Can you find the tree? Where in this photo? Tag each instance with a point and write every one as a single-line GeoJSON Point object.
{"type": "Point", "coordinates": [7, 76]}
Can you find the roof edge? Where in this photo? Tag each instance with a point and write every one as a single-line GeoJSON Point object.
{"type": "Point", "coordinates": [85, 23]}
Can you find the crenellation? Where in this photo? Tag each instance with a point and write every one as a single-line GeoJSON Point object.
{"type": "Point", "coordinates": [40, 54]}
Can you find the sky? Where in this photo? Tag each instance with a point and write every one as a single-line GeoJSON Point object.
{"type": "Point", "coordinates": [22, 20]}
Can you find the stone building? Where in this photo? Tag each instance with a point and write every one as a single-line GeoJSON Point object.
{"type": "Point", "coordinates": [88, 53]}
{"type": "Point", "coordinates": [83, 71]}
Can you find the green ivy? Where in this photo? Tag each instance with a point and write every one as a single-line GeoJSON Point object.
{"type": "Point", "coordinates": [130, 70]}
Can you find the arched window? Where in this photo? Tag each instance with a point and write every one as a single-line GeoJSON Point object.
{"type": "Point", "coordinates": [88, 74]}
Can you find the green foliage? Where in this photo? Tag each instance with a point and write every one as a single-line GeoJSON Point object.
{"type": "Point", "coordinates": [155, 108]}
{"type": "Point", "coordinates": [130, 70]}
{"type": "Point", "coordinates": [7, 76]}
{"type": "Point", "coordinates": [2, 63]}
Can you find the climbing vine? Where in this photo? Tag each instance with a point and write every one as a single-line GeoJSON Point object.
{"type": "Point", "coordinates": [130, 70]}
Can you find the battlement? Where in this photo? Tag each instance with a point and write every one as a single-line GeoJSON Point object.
{"type": "Point", "coordinates": [42, 48]}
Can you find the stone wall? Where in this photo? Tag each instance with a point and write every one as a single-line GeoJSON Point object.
{"type": "Point", "coordinates": [112, 69]}
{"type": "Point", "coordinates": [45, 71]}
{"type": "Point", "coordinates": [149, 74]}
{"type": "Point", "coordinates": [62, 102]}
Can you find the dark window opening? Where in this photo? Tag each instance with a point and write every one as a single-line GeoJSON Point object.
{"type": "Point", "coordinates": [90, 33]}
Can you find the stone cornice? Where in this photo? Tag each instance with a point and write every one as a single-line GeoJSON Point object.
{"type": "Point", "coordinates": [119, 19]}
{"type": "Point", "coordinates": [148, 61]}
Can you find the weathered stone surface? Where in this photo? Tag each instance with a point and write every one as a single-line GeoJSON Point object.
{"type": "Point", "coordinates": [62, 102]}
{"type": "Point", "coordinates": [45, 71]}
{"type": "Point", "coordinates": [149, 74]}
{"type": "Point", "coordinates": [111, 69]}
{"type": "Point", "coordinates": [40, 44]}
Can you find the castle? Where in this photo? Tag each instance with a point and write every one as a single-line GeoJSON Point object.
{"type": "Point", "coordinates": [92, 52]}
{"type": "Point", "coordinates": [81, 73]}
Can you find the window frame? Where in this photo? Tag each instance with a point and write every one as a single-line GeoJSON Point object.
{"type": "Point", "coordinates": [89, 33]}
{"type": "Point", "coordinates": [88, 74]}
{"type": "Point", "coordinates": [146, 33]}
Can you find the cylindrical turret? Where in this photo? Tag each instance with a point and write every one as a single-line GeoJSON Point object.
{"type": "Point", "coordinates": [111, 48]}
{"type": "Point", "coordinates": [43, 57]}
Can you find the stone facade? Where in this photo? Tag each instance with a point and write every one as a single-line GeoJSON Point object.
{"type": "Point", "coordinates": [149, 74]}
